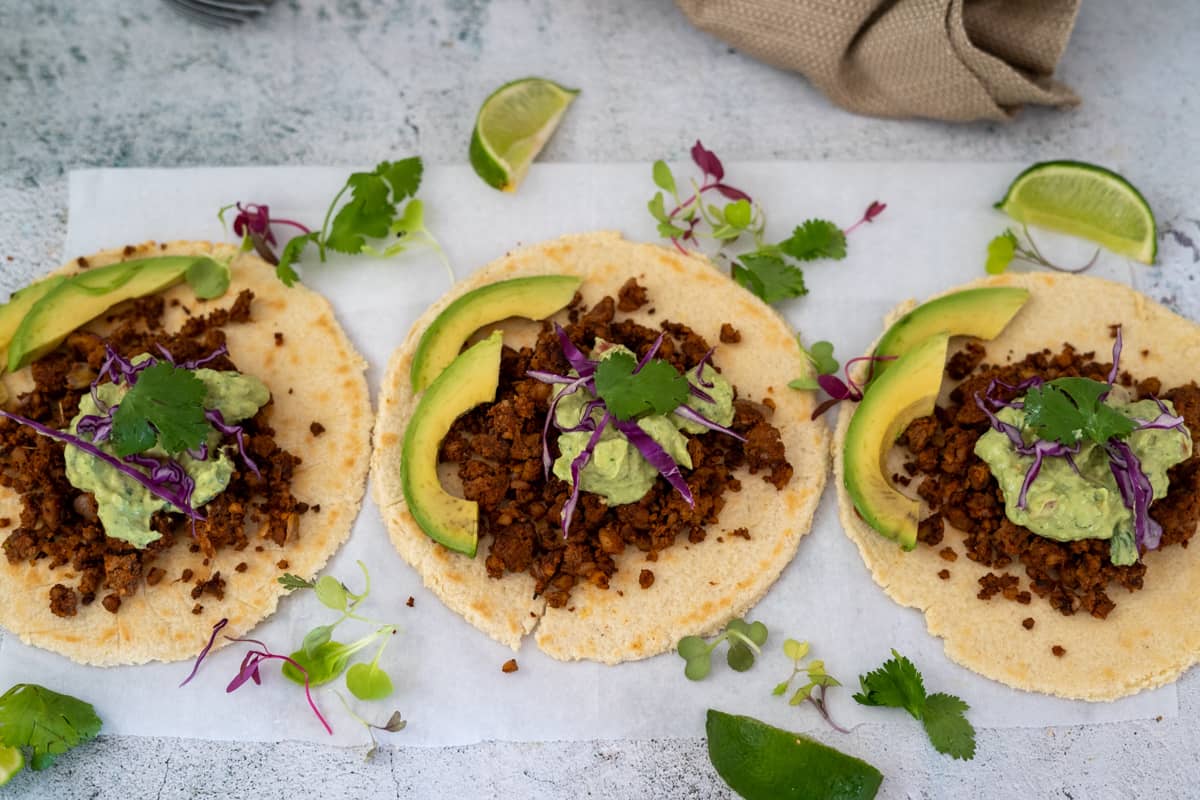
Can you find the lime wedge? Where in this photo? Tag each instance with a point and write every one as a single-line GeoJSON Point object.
{"type": "Point", "coordinates": [513, 125]}
{"type": "Point", "coordinates": [1087, 201]}
{"type": "Point", "coordinates": [12, 761]}
{"type": "Point", "coordinates": [761, 762]}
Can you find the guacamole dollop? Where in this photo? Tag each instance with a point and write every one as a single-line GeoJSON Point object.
{"type": "Point", "coordinates": [1067, 506]}
{"type": "Point", "coordinates": [125, 506]}
{"type": "Point", "coordinates": [617, 470]}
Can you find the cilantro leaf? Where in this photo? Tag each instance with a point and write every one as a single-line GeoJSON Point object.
{"type": "Point", "coordinates": [769, 277]}
{"type": "Point", "coordinates": [816, 238]}
{"type": "Point", "coordinates": [896, 684]}
{"type": "Point", "coordinates": [657, 388]}
{"type": "Point", "coordinates": [46, 722]}
{"type": "Point", "coordinates": [1066, 410]}
{"type": "Point", "coordinates": [404, 176]}
{"type": "Point", "coordinates": [1000, 252]}
{"type": "Point", "coordinates": [367, 214]}
{"type": "Point", "coordinates": [291, 254]}
{"type": "Point", "coordinates": [947, 726]}
{"type": "Point", "coordinates": [165, 406]}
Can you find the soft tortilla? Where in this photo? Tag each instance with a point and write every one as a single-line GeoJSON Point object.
{"type": "Point", "coordinates": [697, 588]}
{"type": "Point", "coordinates": [315, 375]}
{"type": "Point", "coordinates": [1149, 639]}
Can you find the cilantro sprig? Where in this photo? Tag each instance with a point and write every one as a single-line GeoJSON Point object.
{"type": "Point", "coordinates": [382, 206]}
{"type": "Point", "coordinates": [769, 270]}
{"type": "Point", "coordinates": [898, 684]}
{"type": "Point", "coordinates": [44, 724]}
{"type": "Point", "coordinates": [629, 392]}
{"type": "Point", "coordinates": [745, 643]}
{"type": "Point", "coordinates": [818, 681]}
{"type": "Point", "coordinates": [1007, 247]}
{"type": "Point", "coordinates": [1066, 410]}
{"type": "Point", "coordinates": [164, 407]}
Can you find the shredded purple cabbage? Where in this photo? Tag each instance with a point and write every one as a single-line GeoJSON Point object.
{"type": "Point", "coordinates": [659, 458]}
{"type": "Point", "coordinates": [215, 419]}
{"type": "Point", "coordinates": [203, 653]}
{"type": "Point", "coordinates": [1136, 492]}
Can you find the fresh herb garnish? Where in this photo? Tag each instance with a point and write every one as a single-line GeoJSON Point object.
{"type": "Point", "coordinates": [164, 407]}
{"type": "Point", "coordinates": [43, 723]}
{"type": "Point", "coordinates": [898, 684]}
{"type": "Point", "coordinates": [826, 366]}
{"type": "Point", "coordinates": [376, 210]}
{"type": "Point", "coordinates": [631, 390]}
{"type": "Point", "coordinates": [820, 355]}
{"type": "Point", "coordinates": [818, 681]}
{"type": "Point", "coordinates": [745, 640]}
{"type": "Point", "coordinates": [1066, 410]}
{"type": "Point", "coordinates": [765, 270]}
{"type": "Point", "coordinates": [322, 659]}
{"type": "Point", "coordinates": [1005, 248]}
{"type": "Point", "coordinates": [393, 724]}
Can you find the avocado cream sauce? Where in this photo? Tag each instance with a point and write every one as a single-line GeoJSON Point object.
{"type": "Point", "coordinates": [125, 506]}
{"type": "Point", "coordinates": [1066, 506]}
{"type": "Point", "coordinates": [617, 470]}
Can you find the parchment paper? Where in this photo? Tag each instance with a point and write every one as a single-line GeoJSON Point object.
{"type": "Point", "coordinates": [448, 679]}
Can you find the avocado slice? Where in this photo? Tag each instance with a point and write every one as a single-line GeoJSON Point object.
{"type": "Point", "coordinates": [80, 298]}
{"type": "Point", "coordinates": [470, 379]}
{"type": "Point", "coordinates": [981, 313]}
{"type": "Point", "coordinates": [906, 391]}
{"type": "Point", "coordinates": [12, 312]}
{"type": "Point", "coordinates": [535, 297]}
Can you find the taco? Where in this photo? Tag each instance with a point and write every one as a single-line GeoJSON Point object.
{"type": "Point", "coordinates": [113, 573]}
{"type": "Point", "coordinates": [635, 573]}
{"type": "Point", "coordinates": [1047, 557]}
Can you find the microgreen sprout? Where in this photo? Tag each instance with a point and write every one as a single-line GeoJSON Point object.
{"type": "Point", "coordinates": [826, 366]}
{"type": "Point", "coordinates": [394, 723]}
{"type": "Point", "coordinates": [745, 640]}
{"type": "Point", "coordinates": [765, 270]}
{"type": "Point", "coordinates": [253, 223]}
{"type": "Point", "coordinates": [1006, 248]}
{"type": "Point", "coordinates": [818, 681]}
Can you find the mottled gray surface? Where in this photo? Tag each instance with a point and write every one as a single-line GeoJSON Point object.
{"type": "Point", "coordinates": [130, 83]}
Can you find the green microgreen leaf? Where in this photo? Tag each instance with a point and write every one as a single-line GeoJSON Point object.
{"type": "Point", "coordinates": [663, 178]}
{"type": "Point", "coordinates": [658, 209]}
{"type": "Point", "coordinates": [795, 650]}
{"type": "Point", "coordinates": [368, 682]}
{"type": "Point", "coordinates": [658, 388]}
{"type": "Point", "coordinates": [315, 638]}
{"type": "Point", "coordinates": [1066, 410]}
{"type": "Point", "coordinates": [744, 639]}
{"type": "Point", "coordinates": [693, 647]}
{"type": "Point", "coordinates": [669, 231]}
{"type": "Point", "coordinates": [769, 277]}
{"type": "Point", "coordinates": [740, 657]}
{"type": "Point", "coordinates": [821, 356]}
{"type": "Point", "coordinates": [739, 213]}
{"type": "Point", "coordinates": [165, 407]}
{"type": "Point", "coordinates": [293, 582]}
{"type": "Point", "coordinates": [44, 722]}
{"type": "Point", "coordinates": [816, 238]}
{"type": "Point", "coordinates": [1000, 252]}
{"type": "Point", "coordinates": [947, 726]}
{"type": "Point", "coordinates": [331, 593]}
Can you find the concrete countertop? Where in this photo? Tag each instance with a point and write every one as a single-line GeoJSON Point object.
{"type": "Point", "coordinates": [115, 83]}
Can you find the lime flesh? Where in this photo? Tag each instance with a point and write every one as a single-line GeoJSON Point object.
{"type": "Point", "coordinates": [761, 762]}
{"type": "Point", "coordinates": [513, 126]}
{"type": "Point", "coordinates": [1084, 200]}
{"type": "Point", "coordinates": [12, 761]}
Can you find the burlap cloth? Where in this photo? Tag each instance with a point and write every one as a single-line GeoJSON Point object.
{"type": "Point", "coordinates": [946, 59]}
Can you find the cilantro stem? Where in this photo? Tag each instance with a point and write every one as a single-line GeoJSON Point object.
{"type": "Point", "coordinates": [325, 222]}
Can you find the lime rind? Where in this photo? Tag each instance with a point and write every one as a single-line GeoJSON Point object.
{"type": "Point", "coordinates": [1084, 200]}
{"type": "Point", "coordinates": [513, 125]}
{"type": "Point", "coordinates": [12, 761]}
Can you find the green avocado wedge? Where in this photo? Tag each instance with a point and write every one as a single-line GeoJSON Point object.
{"type": "Point", "coordinates": [762, 762]}
{"type": "Point", "coordinates": [981, 312]}
{"type": "Point", "coordinates": [535, 297]}
{"type": "Point", "coordinates": [12, 312]}
{"type": "Point", "coordinates": [80, 298]}
{"type": "Point", "coordinates": [906, 391]}
{"type": "Point", "coordinates": [470, 379]}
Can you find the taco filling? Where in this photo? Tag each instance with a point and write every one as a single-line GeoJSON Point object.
{"type": "Point", "coordinates": [570, 466]}
{"type": "Point", "coordinates": [1060, 463]}
{"type": "Point", "coordinates": [192, 456]}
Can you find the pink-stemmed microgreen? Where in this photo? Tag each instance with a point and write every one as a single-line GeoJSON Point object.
{"type": "Point", "coordinates": [825, 367]}
{"type": "Point", "coordinates": [818, 681]}
{"type": "Point", "coordinates": [624, 390]}
{"type": "Point", "coordinates": [382, 206]}
{"type": "Point", "coordinates": [1007, 247]}
{"type": "Point", "coordinates": [768, 270]}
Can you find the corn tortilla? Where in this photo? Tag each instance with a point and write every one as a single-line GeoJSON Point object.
{"type": "Point", "coordinates": [315, 375]}
{"type": "Point", "coordinates": [1148, 640]}
{"type": "Point", "coordinates": [697, 588]}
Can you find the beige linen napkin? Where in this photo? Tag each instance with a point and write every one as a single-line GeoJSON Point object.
{"type": "Point", "coordinates": [946, 59]}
